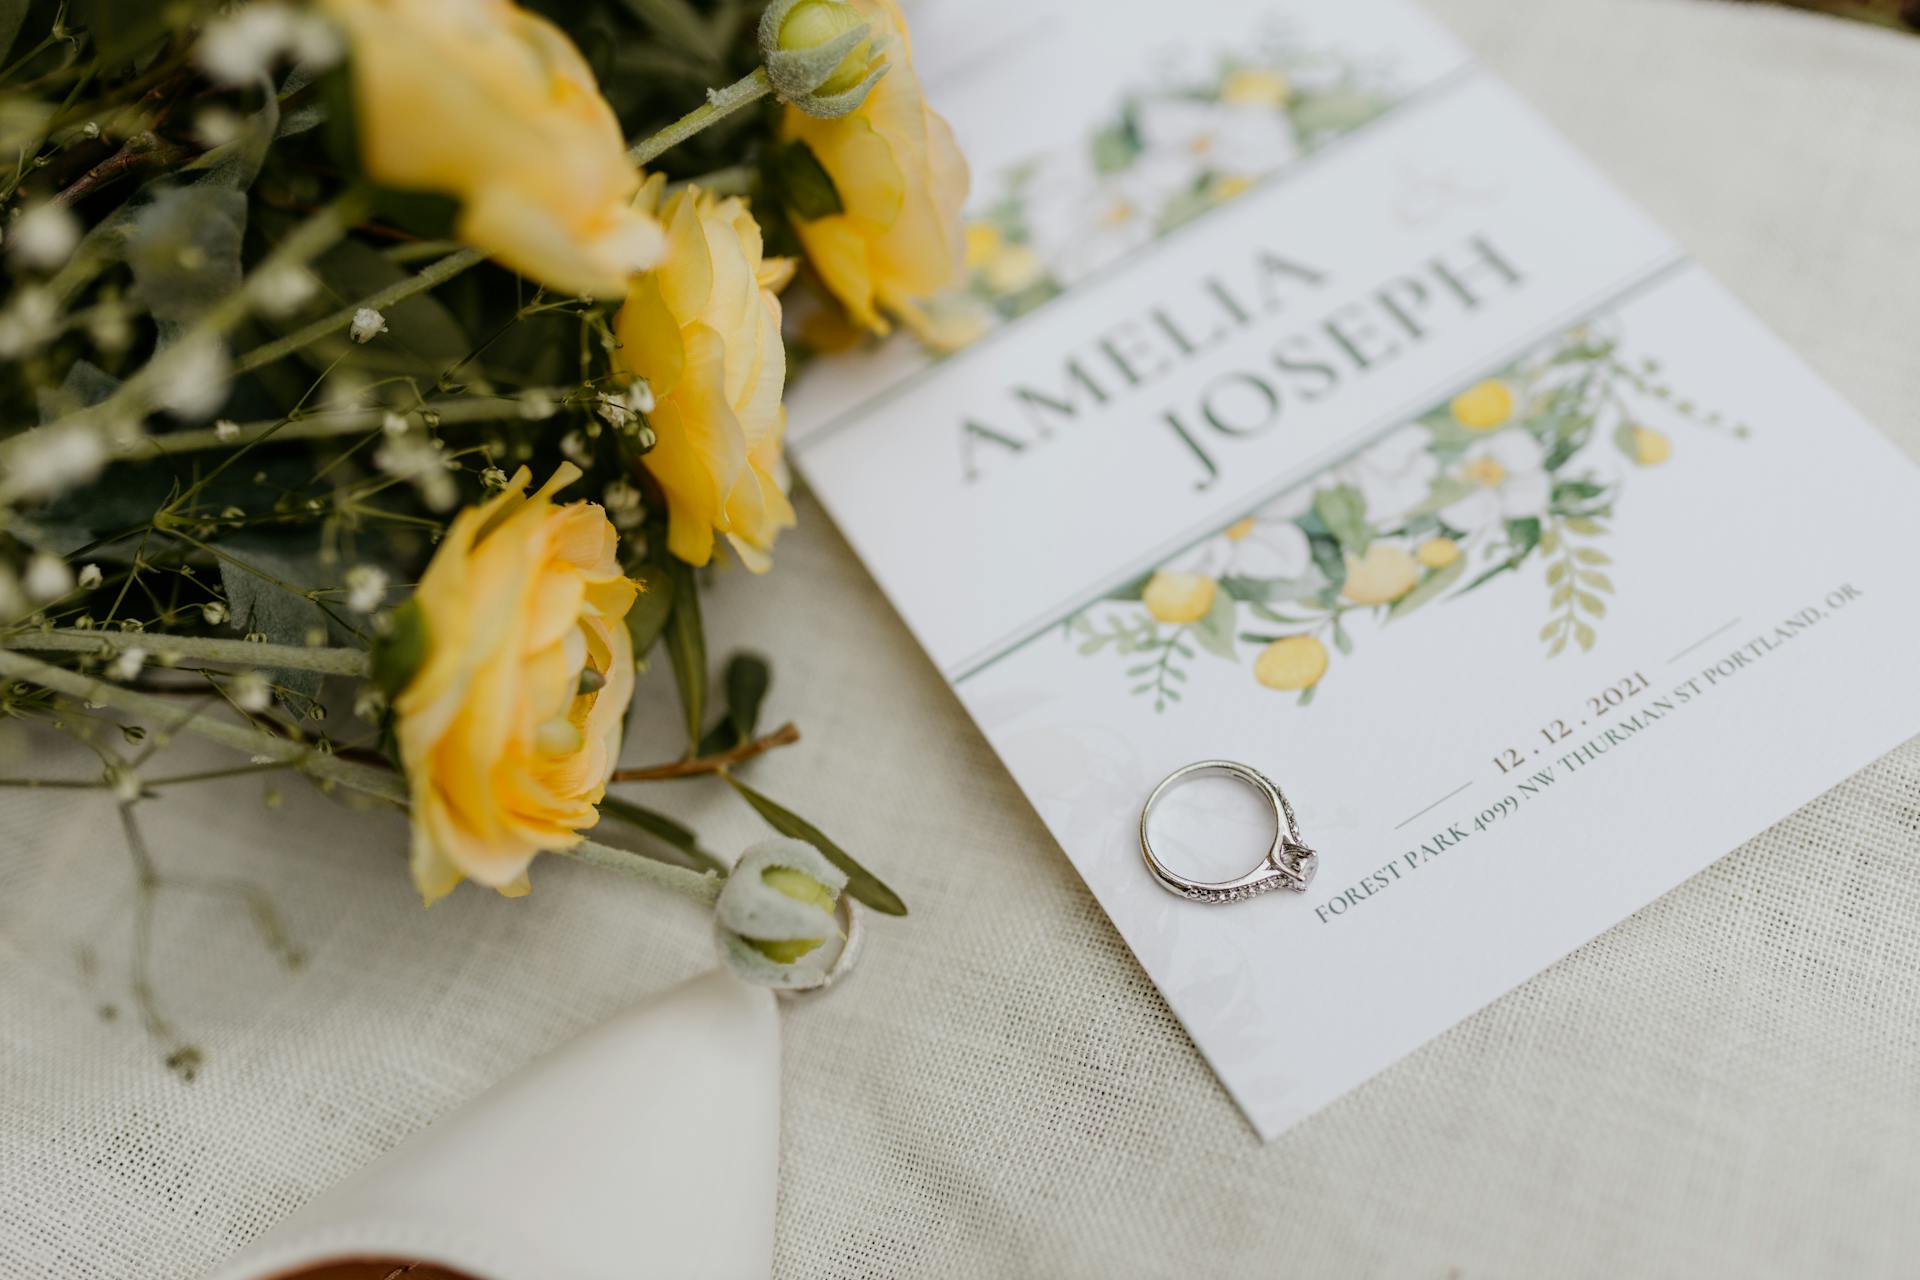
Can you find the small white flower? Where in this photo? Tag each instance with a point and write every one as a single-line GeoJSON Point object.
{"type": "Point", "coordinates": [109, 328]}
{"type": "Point", "coordinates": [394, 424]}
{"type": "Point", "coordinates": [418, 460]}
{"type": "Point", "coordinates": [573, 447]}
{"type": "Point", "coordinates": [536, 406]}
{"type": "Point", "coordinates": [29, 321]}
{"type": "Point", "coordinates": [367, 325]}
{"type": "Point", "coordinates": [90, 576]}
{"type": "Point", "coordinates": [283, 288]}
{"type": "Point", "coordinates": [214, 612]}
{"type": "Point", "coordinates": [127, 665]}
{"type": "Point", "coordinates": [640, 396]}
{"type": "Point", "coordinates": [366, 588]}
{"type": "Point", "coordinates": [623, 504]}
{"type": "Point", "coordinates": [44, 236]}
{"type": "Point", "coordinates": [242, 46]}
{"type": "Point", "coordinates": [314, 42]}
{"type": "Point", "coordinates": [1506, 479]}
{"type": "Point", "coordinates": [51, 460]}
{"type": "Point", "coordinates": [226, 429]}
{"type": "Point", "coordinates": [494, 478]}
{"type": "Point", "coordinates": [217, 126]}
{"type": "Point", "coordinates": [48, 578]}
{"type": "Point", "coordinates": [616, 413]}
{"type": "Point", "coordinates": [250, 691]}
{"type": "Point", "coordinates": [1394, 475]}
{"type": "Point", "coordinates": [369, 702]}
{"type": "Point", "coordinates": [193, 376]}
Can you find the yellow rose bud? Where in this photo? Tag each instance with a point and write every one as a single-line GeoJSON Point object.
{"type": "Point", "coordinates": [1381, 576]}
{"type": "Point", "coordinates": [493, 105]}
{"type": "Point", "coordinates": [1438, 553]}
{"type": "Point", "coordinates": [510, 722]}
{"type": "Point", "coordinates": [1178, 597]}
{"type": "Point", "coordinates": [1483, 406]}
{"type": "Point", "coordinates": [776, 910]}
{"type": "Point", "coordinates": [899, 182]}
{"type": "Point", "coordinates": [1650, 447]}
{"type": "Point", "coordinates": [704, 331]}
{"type": "Point", "coordinates": [1291, 662]}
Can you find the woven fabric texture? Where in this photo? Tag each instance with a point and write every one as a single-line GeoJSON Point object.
{"type": "Point", "coordinates": [1728, 1083]}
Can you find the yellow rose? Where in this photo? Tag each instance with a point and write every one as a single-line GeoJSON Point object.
{"type": "Point", "coordinates": [511, 723]}
{"type": "Point", "coordinates": [1381, 576]}
{"type": "Point", "coordinates": [1483, 406]}
{"type": "Point", "coordinates": [1291, 662]}
{"type": "Point", "coordinates": [492, 105]}
{"type": "Point", "coordinates": [1438, 553]}
{"type": "Point", "coordinates": [1178, 597]}
{"type": "Point", "coordinates": [1650, 447]}
{"type": "Point", "coordinates": [901, 182]}
{"type": "Point", "coordinates": [704, 331]}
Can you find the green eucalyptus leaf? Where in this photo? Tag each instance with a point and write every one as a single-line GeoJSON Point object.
{"type": "Point", "coordinates": [861, 883]}
{"type": "Point", "coordinates": [1428, 588]}
{"type": "Point", "coordinates": [651, 609]}
{"type": "Point", "coordinates": [663, 828]}
{"type": "Point", "coordinates": [1214, 632]}
{"type": "Point", "coordinates": [266, 590]}
{"type": "Point", "coordinates": [1344, 512]}
{"type": "Point", "coordinates": [803, 183]}
{"type": "Point", "coordinates": [399, 653]}
{"type": "Point", "coordinates": [748, 677]}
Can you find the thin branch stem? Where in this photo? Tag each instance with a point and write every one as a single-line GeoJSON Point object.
{"type": "Point", "coordinates": [720, 104]}
{"type": "Point", "coordinates": [399, 291]}
{"type": "Point", "coordinates": [333, 422]}
{"type": "Point", "coordinates": [785, 735]}
{"type": "Point", "coordinates": [339, 662]}
{"type": "Point", "coordinates": [701, 886]}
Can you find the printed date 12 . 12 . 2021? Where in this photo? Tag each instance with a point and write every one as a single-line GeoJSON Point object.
{"type": "Point", "coordinates": [1554, 731]}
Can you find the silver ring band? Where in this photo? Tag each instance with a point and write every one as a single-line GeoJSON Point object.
{"type": "Point", "coordinates": [1289, 864]}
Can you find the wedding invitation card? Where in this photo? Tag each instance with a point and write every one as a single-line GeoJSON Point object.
{"type": "Point", "coordinates": [1331, 414]}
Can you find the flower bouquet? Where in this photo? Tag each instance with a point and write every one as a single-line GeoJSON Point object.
{"type": "Point", "coordinates": [385, 376]}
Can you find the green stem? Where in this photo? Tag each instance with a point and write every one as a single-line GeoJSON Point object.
{"type": "Point", "coordinates": [399, 291]}
{"type": "Point", "coordinates": [720, 104]}
{"type": "Point", "coordinates": [702, 887]}
{"type": "Point", "coordinates": [339, 662]}
{"type": "Point", "coordinates": [330, 423]}
{"type": "Point", "coordinates": [383, 783]}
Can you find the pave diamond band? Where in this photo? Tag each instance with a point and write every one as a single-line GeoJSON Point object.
{"type": "Point", "coordinates": [1289, 864]}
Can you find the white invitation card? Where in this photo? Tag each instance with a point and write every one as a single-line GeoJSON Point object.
{"type": "Point", "coordinates": [1334, 416]}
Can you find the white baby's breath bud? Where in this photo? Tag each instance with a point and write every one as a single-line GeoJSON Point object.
{"type": "Point", "coordinates": [494, 478]}
{"type": "Point", "coordinates": [283, 288]}
{"type": "Point", "coordinates": [414, 458]}
{"type": "Point", "coordinates": [90, 130]}
{"type": "Point", "coordinates": [125, 783]}
{"type": "Point", "coordinates": [193, 377]}
{"type": "Point", "coordinates": [90, 576]}
{"type": "Point", "coordinates": [394, 424]}
{"type": "Point", "coordinates": [107, 325]}
{"type": "Point", "coordinates": [51, 460]}
{"type": "Point", "coordinates": [242, 46]}
{"type": "Point", "coordinates": [640, 396]}
{"type": "Point", "coordinates": [214, 612]}
{"type": "Point", "coordinates": [616, 413]}
{"type": "Point", "coordinates": [314, 42]}
{"type": "Point", "coordinates": [537, 406]}
{"type": "Point", "coordinates": [126, 665]}
{"type": "Point", "coordinates": [366, 588]}
{"type": "Point", "coordinates": [217, 126]}
{"type": "Point", "coordinates": [43, 237]}
{"type": "Point", "coordinates": [367, 325]}
{"type": "Point", "coordinates": [48, 578]}
{"type": "Point", "coordinates": [623, 504]}
{"type": "Point", "coordinates": [369, 702]}
{"type": "Point", "coordinates": [573, 447]}
{"type": "Point", "coordinates": [226, 429]}
{"type": "Point", "coordinates": [250, 691]}
{"type": "Point", "coordinates": [31, 318]}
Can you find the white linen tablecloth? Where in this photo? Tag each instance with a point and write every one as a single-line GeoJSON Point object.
{"type": "Point", "coordinates": [1727, 1083]}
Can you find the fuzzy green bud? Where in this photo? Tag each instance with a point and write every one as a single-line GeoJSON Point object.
{"type": "Point", "coordinates": [776, 911]}
{"type": "Point", "coordinates": [819, 54]}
